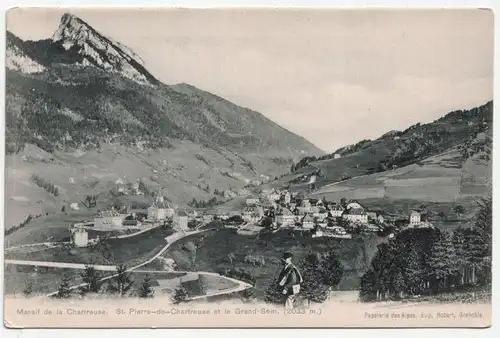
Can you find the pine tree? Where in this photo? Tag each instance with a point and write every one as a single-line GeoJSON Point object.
{"type": "Point", "coordinates": [332, 269]}
{"type": "Point", "coordinates": [123, 281]}
{"type": "Point", "coordinates": [64, 290]}
{"type": "Point", "coordinates": [146, 289]}
{"type": "Point", "coordinates": [312, 288]}
{"type": "Point", "coordinates": [475, 252]}
{"type": "Point", "coordinates": [180, 295]}
{"type": "Point", "coordinates": [484, 223]}
{"type": "Point", "coordinates": [396, 283]}
{"type": "Point", "coordinates": [381, 268]}
{"type": "Point", "coordinates": [413, 271]}
{"type": "Point", "coordinates": [368, 286]}
{"type": "Point", "coordinates": [92, 279]}
{"type": "Point", "coordinates": [459, 244]}
{"type": "Point", "coordinates": [441, 261]}
{"type": "Point", "coordinates": [28, 288]}
{"type": "Point", "coordinates": [249, 294]}
{"type": "Point", "coordinates": [483, 226]}
{"type": "Point", "coordinates": [273, 293]}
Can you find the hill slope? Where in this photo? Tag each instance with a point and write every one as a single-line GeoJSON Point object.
{"type": "Point", "coordinates": [446, 162]}
{"type": "Point", "coordinates": [400, 148]}
{"type": "Point", "coordinates": [82, 108]}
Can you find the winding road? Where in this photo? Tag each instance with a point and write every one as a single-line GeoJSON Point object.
{"type": "Point", "coordinates": [170, 240]}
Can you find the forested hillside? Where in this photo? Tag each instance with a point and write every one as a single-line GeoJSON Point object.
{"type": "Point", "coordinates": [401, 148]}
{"type": "Point", "coordinates": [430, 261]}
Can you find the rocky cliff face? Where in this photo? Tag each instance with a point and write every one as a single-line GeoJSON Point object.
{"type": "Point", "coordinates": [98, 50]}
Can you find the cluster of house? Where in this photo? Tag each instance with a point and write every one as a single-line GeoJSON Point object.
{"type": "Point", "coordinates": [300, 213]}
{"type": "Point", "coordinates": [287, 210]}
{"type": "Point", "coordinates": [159, 212]}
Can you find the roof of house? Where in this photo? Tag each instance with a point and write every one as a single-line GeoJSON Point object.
{"type": "Point", "coordinates": [335, 206]}
{"type": "Point", "coordinates": [160, 205]}
{"type": "Point", "coordinates": [415, 212]}
{"type": "Point", "coordinates": [308, 218]}
{"type": "Point", "coordinates": [355, 211]}
{"type": "Point", "coordinates": [182, 213]}
{"type": "Point", "coordinates": [354, 201]}
{"type": "Point", "coordinates": [300, 212]}
{"type": "Point", "coordinates": [130, 222]}
{"type": "Point", "coordinates": [285, 212]}
{"type": "Point", "coordinates": [253, 208]}
{"type": "Point", "coordinates": [107, 213]}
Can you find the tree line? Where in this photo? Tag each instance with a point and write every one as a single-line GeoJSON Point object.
{"type": "Point", "coordinates": [23, 223]}
{"type": "Point", "coordinates": [430, 261]}
{"type": "Point", "coordinates": [47, 185]}
{"type": "Point", "coordinates": [194, 203]}
{"type": "Point", "coordinates": [121, 285]}
{"type": "Point", "coordinates": [93, 282]}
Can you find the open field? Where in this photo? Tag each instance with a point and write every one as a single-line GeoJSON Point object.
{"type": "Point", "coordinates": [430, 183]}
{"type": "Point", "coordinates": [433, 183]}
{"type": "Point", "coordinates": [212, 250]}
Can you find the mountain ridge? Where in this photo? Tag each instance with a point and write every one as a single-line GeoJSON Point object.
{"type": "Point", "coordinates": [76, 44]}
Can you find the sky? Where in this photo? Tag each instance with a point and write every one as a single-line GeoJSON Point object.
{"type": "Point", "coordinates": [332, 76]}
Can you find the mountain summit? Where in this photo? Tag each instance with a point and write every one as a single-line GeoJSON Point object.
{"type": "Point", "coordinates": [98, 50]}
{"type": "Point", "coordinates": [75, 42]}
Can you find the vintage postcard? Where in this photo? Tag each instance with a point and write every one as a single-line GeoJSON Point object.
{"type": "Point", "coordinates": [248, 168]}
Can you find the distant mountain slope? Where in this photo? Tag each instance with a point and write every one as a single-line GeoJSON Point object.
{"type": "Point", "coordinates": [400, 148]}
{"type": "Point", "coordinates": [101, 83]}
{"type": "Point", "coordinates": [18, 59]}
{"type": "Point", "coordinates": [244, 122]}
{"type": "Point", "coordinates": [459, 174]}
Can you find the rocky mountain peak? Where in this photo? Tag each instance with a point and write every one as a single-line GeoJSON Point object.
{"type": "Point", "coordinates": [71, 28]}
{"type": "Point", "coordinates": [97, 50]}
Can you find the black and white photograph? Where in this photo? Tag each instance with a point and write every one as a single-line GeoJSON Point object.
{"type": "Point", "coordinates": [248, 167]}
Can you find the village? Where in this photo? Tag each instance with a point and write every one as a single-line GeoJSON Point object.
{"type": "Point", "coordinates": [271, 210]}
{"type": "Point", "coordinates": [275, 210]}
